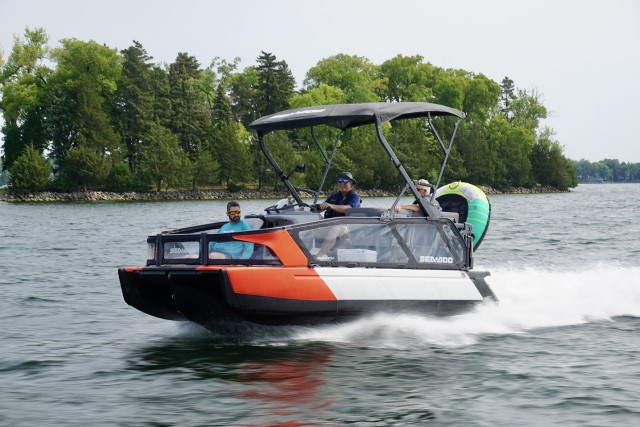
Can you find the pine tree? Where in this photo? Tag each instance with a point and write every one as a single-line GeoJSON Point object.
{"type": "Point", "coordinates": [29, 172]}
{"type": "Point", "coordinates": [276, 84]}
{"type": "Point", "coordinates": [133, 111]}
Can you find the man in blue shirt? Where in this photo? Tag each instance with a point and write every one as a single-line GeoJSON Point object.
{"type": "Point", "coordinates": [337, 205]}
{"type": "Point", "coordinates": [343, 199]}
{"type": "Point", "coordinates": [234, 249]}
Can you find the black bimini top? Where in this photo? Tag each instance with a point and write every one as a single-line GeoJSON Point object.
{"type": "Point", "coordinates": [343, 116]}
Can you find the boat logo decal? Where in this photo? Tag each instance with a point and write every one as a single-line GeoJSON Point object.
{"type": "Point", "coordinates": [437, 260]}
{"type": "Point", "coordinates": [178, 251]}
{"type": "Point", "coordinates": [279, 116]}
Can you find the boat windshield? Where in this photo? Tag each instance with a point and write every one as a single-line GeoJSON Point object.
{"type": "Point", "coordinates": [432, 245]}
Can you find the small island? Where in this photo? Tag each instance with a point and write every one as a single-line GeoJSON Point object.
{"type": "Point", "coordinates": [132, 129]}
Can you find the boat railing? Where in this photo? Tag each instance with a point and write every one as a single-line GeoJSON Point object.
{"type": "Point", "coordinates": [370, 241]}
{"type": "Point", "coordinates": [198, 249]}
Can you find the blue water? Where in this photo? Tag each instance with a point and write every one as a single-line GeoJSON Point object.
{"type": "Point", "coordinates": [562, 348]}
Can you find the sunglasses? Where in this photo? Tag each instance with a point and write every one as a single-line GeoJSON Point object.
{"type": "Point", "coordinates": [343, 181]}
{"type": "Point", "coordinates": [233, 213]}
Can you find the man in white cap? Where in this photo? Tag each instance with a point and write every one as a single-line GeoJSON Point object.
{"type": "Point", "coordinates": [424, 188]}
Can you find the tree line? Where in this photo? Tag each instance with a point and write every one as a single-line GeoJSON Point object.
{"type": "Point", "coordinates": [83, 115]}
{"type": "Point", "coordinates": [607, 170]}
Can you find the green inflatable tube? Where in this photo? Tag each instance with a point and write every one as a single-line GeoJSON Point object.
{"type": "Point", "coordinates": [471, 204]}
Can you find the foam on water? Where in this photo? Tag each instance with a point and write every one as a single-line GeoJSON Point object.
{"type": "Point", "coordinates": [529, 299]}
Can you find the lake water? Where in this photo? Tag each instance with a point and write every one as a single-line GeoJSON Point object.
{"type": "Point", "coordinates": [562, 348]}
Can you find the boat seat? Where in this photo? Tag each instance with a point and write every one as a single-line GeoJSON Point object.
{"type": "Point", "coordinates": [254, 222]}
{"type": "Point", "coordinates": [374, 212]}
{"type": "Point", "coordinates": [453, 216]}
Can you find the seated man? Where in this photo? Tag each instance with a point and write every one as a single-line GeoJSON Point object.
{"type": "Point", "coordinates": [336, 205]}
{"type": "Point", "coordinates": [424, 189]}
{"type": "Point", "coordinates": [234, 249]}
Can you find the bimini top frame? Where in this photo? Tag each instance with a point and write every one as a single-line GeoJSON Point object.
{"type": "Point", "coordinates": [345, 116]}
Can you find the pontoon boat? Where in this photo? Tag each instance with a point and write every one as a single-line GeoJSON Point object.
{"type": "Point", "coordinates": [385, 261]}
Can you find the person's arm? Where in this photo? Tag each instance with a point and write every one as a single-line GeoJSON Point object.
{"type": "Point", "coordinates": [212, 245]}
{"type": "Point", "coordinates": [247, 247]}
{"type": "Point", "coordinates": [336, 208]}
{"type": "Point", "coordinates": [353, 202]}
{"type": "Point", "coordinates": [414, 208]}
{"type": "Point", "coordinates": [325, 205]}
{"type": "Point", "coordinates": [247, 250]}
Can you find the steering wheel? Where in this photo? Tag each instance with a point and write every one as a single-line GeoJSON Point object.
{"type": "Point", "coordinates": [275, 207]}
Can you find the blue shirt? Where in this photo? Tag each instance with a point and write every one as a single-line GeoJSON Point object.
{"type": "Point", "coordinates": [234, 249]}
{"type": "Point", "coordinates": [351, 198]}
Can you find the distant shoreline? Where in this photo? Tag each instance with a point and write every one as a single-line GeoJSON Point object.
{"type": "Point", "coordinates": [96, 196]}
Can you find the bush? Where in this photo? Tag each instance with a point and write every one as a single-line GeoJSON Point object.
{"type": "Point", "coordinates": [85, 167]}
{"type": "Point", "coordinates": [120, 178]}
{"type": "Point", "coordinates": [29, 172]}
{"type": "Point", "coordinates": [236, 186]}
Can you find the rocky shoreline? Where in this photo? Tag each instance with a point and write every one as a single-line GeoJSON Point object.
{"type": "Point", "coordinates": [94, 196]}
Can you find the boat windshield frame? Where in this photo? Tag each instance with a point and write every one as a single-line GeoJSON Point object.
{"type": "Point", "coordinates": [394, 243]}
{"type": "Point", "coordinates": [346, 116]}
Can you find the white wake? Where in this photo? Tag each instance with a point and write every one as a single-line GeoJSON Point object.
{"type": "Point", "coordinates": [529, 299]}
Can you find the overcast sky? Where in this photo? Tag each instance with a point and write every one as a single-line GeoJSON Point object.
{"type": "Point", "coordinates": [582, 56]}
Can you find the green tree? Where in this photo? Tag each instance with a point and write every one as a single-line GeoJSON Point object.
{"type": "Point", "coordinates": [510, 148]}
{"type": "Point", "coordinates": [528, 110]}
{"type": "Point", "coordinates": [549, 166]}
{"type": "Point", "coordinates": [206, 169]}
{"type": "Point", "coordinates": [480, 96]}
{"type": "Point", "coordinates": [221, 107]}
{"type": "Point", "coordinates": [29, 172]}
{"type": "Point", "coordinates": [218, 73]}
{"type": "Point", "coordinates": [585, 170]}
{"type": "Point", "coordinates": [416, 148]}
{"type": "Point", "coordinates": [189, 113]}
{"type": "Point", "coordinates": [163, 163]}
{"type": "Point", "coordinates": [85, 167]}
{"type": "Point", "coordinates": [449, 88]}
{"type": "Point", "coordinates": [161, 95]}
{"type": "Point", "coordinates": [244, 95]}
{"type": "Point", "coordinates": [406, 78]}
{"type": "Point", "coordinates": [473, 144]}
{"type": "Point", "coordinates": [355, 76]}
{"type": "Point", "coordinates": [507, 95]}
{"type": "Point", "coordinates": [22, 81]}
{"type": "Point", "coordinates": [93, 125]}
{"type": "Point", "coordinates": [321, 95]}
{"type": "Point", "coordinates": [232, 141]}
{"type": "Point", "coordinates": [80, 99]}
{"type": "Point", "coordinates": [222, 70]}
{"type": "Point", "coordinates": [134, 97]}
{"type": "Point", "coordinates": [120, 178]}
{"type": "Point", "coordinates": [615, 169]}
{"type": "Point", "coordinates": [276, 84]}
{"type": "Point", "coordinates": [12, 144]}
{"type": "Point", "coordinates": [603, 171]}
